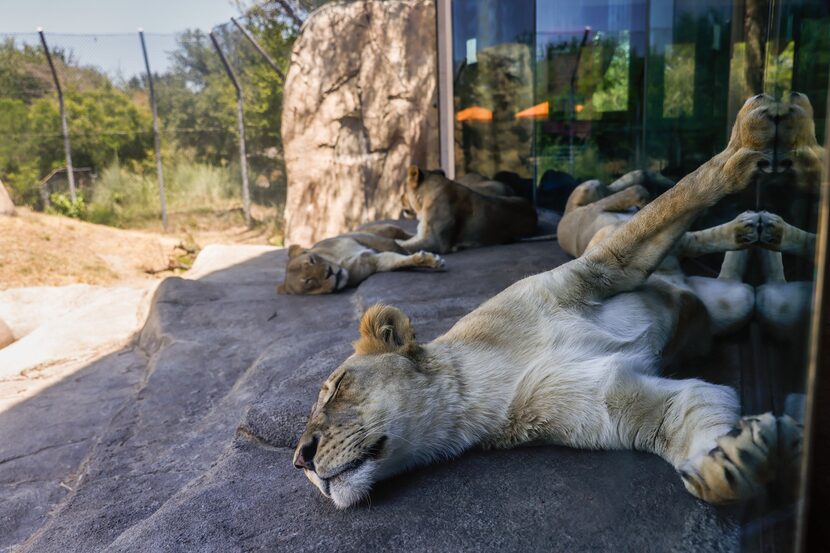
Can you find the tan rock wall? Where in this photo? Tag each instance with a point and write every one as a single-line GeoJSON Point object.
{"type": "Point", "coordinates": [360, 105]}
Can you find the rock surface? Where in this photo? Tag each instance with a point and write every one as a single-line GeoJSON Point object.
{"type": "Point", "coordinates": [183, 441]}
{"type": "Point", "coordinates": [54, 324]}
{"type": "Point", "coordinates": [6, 204]}
{"type": "Point", "coordinates": [359, 107]}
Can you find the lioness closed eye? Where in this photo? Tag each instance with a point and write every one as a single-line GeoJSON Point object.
{"type": "Point", "coordinates": [569, 356]}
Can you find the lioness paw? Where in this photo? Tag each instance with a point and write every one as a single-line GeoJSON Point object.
{"type": "Point", "coordinates": [743, 167]}
{"type": "Point", "coordinates": [637, 195]}
{"type": "Point", "coordinates": [745, 228]}
{"type": "Point", "coordinates": [772, 229]}
{"type": "Point", "coordinates": [756, 452]}
{"type": "Point", "coordinates": [430, 260]}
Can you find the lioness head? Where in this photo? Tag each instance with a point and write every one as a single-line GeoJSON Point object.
{"type": "Point", "coordinates": [406, 210]}
{"type": "Point", "coordinates": [412, 197]}
{"type": "Point", "coordinates": [369, 412]}
{"type": "Point", "coordinates": [309, 273]}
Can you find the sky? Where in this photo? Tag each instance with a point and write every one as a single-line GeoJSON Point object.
{"type": "Point", "coordinates": [103, 33]}
{"type": "Point", "coordinates": [113, 16]}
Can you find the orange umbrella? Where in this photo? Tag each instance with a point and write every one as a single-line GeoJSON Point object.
{"type": "Point", "coordinates": [475, 113]}
{"type": "Point", "coordinates": [539, 111]}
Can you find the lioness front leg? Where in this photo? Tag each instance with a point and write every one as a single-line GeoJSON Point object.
{"type": "Point", "coordinates": [780, 236]}
{"type": "Point", "coordinates": [390, 261]}
{"type": "Point", "coordinates": [758, 451]}
{"type": "Point", "coordinates": [695, 426]}
{"type": "Point", "coordinates": [428, 239]}
{"type": "Point", "coordinates": [738, 234]}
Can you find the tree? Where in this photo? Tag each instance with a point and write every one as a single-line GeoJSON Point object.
{"type": "Point", "coordinates": [105, 122]}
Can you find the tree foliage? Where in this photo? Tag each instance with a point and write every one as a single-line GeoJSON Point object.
{"type": "Point", "coordinates": [105, 121]}
{"type": "Point", "coordinates": [110, 121]}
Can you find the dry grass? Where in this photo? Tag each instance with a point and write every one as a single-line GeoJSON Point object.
{"type": "Point", "coordinates": [50, 250]}
{"type": "Point", "coordinates": [222, 224]}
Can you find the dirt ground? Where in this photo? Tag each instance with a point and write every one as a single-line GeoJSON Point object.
{"type": "Point", "coordinates": [48, 250]}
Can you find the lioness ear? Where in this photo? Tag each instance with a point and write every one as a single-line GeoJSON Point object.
{"type": "Point", "coordinates": [414, 176]}
{"type": "Point", "coordinates": [294, 251]}
{"type": "Point", "coordinates": [385, 329]}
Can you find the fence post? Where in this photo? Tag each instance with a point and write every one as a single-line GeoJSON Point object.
{"type": "Point", "coordinates": [156, 138]}
{"type": "Point", "coordinates": [259, 49]}
{"type": "Point", "coordinates": [243, 158]}
{"type": "Point", "coordinates": [70, 172]}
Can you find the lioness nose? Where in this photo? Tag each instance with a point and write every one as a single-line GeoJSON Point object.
{"type": "Point", "coordinates": [304, 458]}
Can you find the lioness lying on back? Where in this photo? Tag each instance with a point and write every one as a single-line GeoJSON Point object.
{"type": "Point", "coordinates": [452, 216]}
{"type": "Point", "coordinates": [570, 356]}
{"type": "Point", "coordinates": [349, 259]}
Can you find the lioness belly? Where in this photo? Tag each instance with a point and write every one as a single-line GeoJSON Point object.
{"type": "Point", "coordinates": [641, 321]}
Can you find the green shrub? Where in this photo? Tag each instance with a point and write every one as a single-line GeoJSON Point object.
{"type": "Point", "coordinates": [63, 205]}
{"type": "Point", "coordinates": [123, 197]}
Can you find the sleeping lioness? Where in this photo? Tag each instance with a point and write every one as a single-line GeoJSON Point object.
{"type": "Point", "coordinates": [570, 356]}
{"type": "Point", "coordinates": [349, 259]}
{"type": "Point", "coordinates": [452, 216]}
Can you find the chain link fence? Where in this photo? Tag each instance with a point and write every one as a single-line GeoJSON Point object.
{"type": "Point", "coordinates": [110, 136]}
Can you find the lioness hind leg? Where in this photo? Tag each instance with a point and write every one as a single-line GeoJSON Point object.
{"type": "Point", "coordinates": [634, 196]}
{"type": "Point", "coordinates": [758, 451]}
{"type": "Point", "coordinates": [734, 265]}
{"type": "Point", "coordinates": [630, 255]}
{"type": "Point", "coordinates": [640, 177]}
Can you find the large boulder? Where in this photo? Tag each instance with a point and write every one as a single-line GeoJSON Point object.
{"type": "Point", "coordinates": [359, 107]}
{"type": "Point", "coordinates": [6, 204]}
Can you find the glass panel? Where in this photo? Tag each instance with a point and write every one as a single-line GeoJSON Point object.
{"type": "Point", "coordinates": [492, 61]}
{"type": "Point", "coordinates": [688, 84]}
{"type": "Point", "coordinates": [797, 72]}
{"type": "Point", "coordinates": [562, 91]}
{"type": "Point", "coordinates": [589, 59]}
